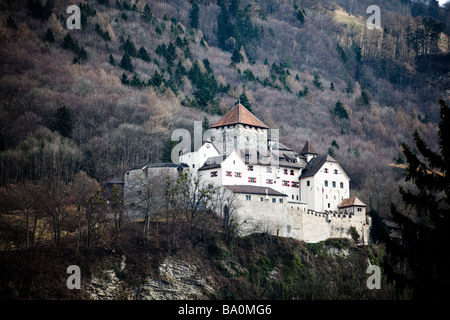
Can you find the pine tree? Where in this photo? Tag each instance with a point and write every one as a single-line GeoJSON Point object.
{"type": "Point", "coordinates": [317, 81]}
{"type": "Point", "coordinates": [194, 15]}
{"type": "Point", "coordinates": [126, 63]}
{"type": "Point", "coordinates": [244, 101]}
{"type": "Point", "coordinates": [340, 111]}
{"type": "Point", "coordinates": [49, 37]}
{"type": "Point", "coordinates": [205, 124]}
{"type": "Point", "coordinates": [426, 223]}
{"type": "Point", "coordinates": [63, 122]}
{"type": "Point", "coordinates": [111, 60]}
{"type": "Point", "coordinates": [147, 16]}
{"type": "Point", "coordinates": [129, 47]}
{"type": "Point", "coordinates": [143, 54]}
{"type": "Point", "coordinates": [236, 57]}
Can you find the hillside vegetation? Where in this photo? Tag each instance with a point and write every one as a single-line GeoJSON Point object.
{"type": "Point", "coordinates": [78, 107]}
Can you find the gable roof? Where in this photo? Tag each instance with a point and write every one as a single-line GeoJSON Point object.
{"type": "Point", "coordinates": [308, 149]}
{"type": "Point", "coordinates": [351, 202]}
{"type": "Point", "coordinates": [239, 114]}
{"type": "Point", "coordinates": [315, 164]}
{"type": "Point", "coordinates": [254, 190]}
{"type": "Point", "coordinates": [213, 162]}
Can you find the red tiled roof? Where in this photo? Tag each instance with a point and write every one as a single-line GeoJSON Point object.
{"type": "Point", "coordinates": [239, 114]}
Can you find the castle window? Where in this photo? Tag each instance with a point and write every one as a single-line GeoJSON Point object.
{"type": "Point", "coordinates": [285, 171]}
{"type": "Point", "coordinates": [285, 183]}
{"type": "Point", "coordinates": [268, 169]}
{"type": "Point", "coordinates": [294, 184]}
{"type": "Point", "coordinates": [292, 172]}
{"type": "Point", "coordinates": [325, 170]}
{"type": "Point", "coordinates": [326, 183]}
{"type": "Point", "coordinates": [274, 200]}
{"type": "Point", "coordinates": [250, 168]}
{"type": "Point", "coordinates": [335, 171]}
{"type": "Point", "coordinates": [328, 206]}
{"type": "Point", "coordinates": [308, 183]}
{"type": "Point", "coordinates": [228, 174]}
{"type": "Point", "coordinates": [281, 200]}
{"type": "Point", "coordinates": [269, 181]}
{"type": "Point", "coordinates": [252, 180]}
{"type": "Point", "coordinates": [213, 174]}
{"type": "Point", "coordinates": [333, 184]}
{"type": "Point", "coordinates": [341, 185]}
{"type": "Point", "coordinates": [262, 199]}
{"type": "Point", "coordinates": [248, 197]}
{"type": "Point", "coordinates": [359, 209]}
{"type": "Point", "coordinates": [237, 175]}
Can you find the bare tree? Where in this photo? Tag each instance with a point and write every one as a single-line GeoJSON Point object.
{"type": "Point", "coordinates": [84, 189]}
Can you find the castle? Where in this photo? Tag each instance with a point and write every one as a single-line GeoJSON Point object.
{"type": "Point", "coordinates": [300, 195]}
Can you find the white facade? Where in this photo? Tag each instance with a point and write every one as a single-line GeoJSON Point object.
{"type": "Point", "coordinates": [326, 187]}
{"type": "Point", "coordinates": [305, 196]}
{"type": "Point", "coordinates": [196, 159]}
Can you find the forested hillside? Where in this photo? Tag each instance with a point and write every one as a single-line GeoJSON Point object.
{"type": "Point", "coordinates": [106, 97]}
{"type": "Point", "coordinates": [81, 106]}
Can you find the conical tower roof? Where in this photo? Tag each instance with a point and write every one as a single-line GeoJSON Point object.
{"type": "Point", "coordinates": [239, 114]}
{"type": "Point", "coordinates": [308, 149]}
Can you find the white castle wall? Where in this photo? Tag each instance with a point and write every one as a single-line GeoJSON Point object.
{"type": "Point", "coordinates": [240, 136]}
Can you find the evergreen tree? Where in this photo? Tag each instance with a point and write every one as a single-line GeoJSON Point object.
{"type": "Point", "coordinates": [129, 47]}
{"type": "Point", "coordinates": [205, 124]}
{"type": "Point", "coordinates": [349, 88]}
{"type": "Point", "coordinates": [317, 81]}
{"type": "Point", "coordinates": [194, 15]}
{"type": "Point", "coordinates": [236, 57]}
{"type": "Point", "coordinates": [63, 122]}
{"type": "Point", "coordinates": [339, 111]}
{"type": "Point", "coordinates": [147, 16]}
{"type": "Point", "coordinates": [426, 223]}
{"type": "Point", "coordinates": [156, 79]}
{"type": "Point", "coordinates": [364, 98]}
{"type": "Point", "coordinates": [167, 154]}
{"type": "Point", "coordinates": [49, 37]}
{"type": "Point", "coordinates": [143, 54]}
{"type": "Point", "coordinates": [300, 15]}
{"type": "Point", "coordinates": [331, 86]}
{"type": "Point", "coordinates": [245, 102]}
{"type": "Point", "coordinates": [126, 63]}
{"type": "Point", "coordinates": [111, 60]}
{"type": "Point", "coordinates": [11, 23]}
{"type": "Point", "coordinates": [224, 26]}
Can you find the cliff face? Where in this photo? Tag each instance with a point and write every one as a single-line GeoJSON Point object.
{"type": "Point", "coordinates": [178, 280]}
{"type": "Point", "coordinates": [276, 268]}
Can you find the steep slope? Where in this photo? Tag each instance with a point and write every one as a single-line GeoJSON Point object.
{"type": "Point", "coordinates": [138, 69]}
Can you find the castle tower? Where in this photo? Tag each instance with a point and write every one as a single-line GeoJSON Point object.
{"type": "Point", "coordinates": [308, 151]}
{"type": "Point", "coordinates": [239, 129]}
